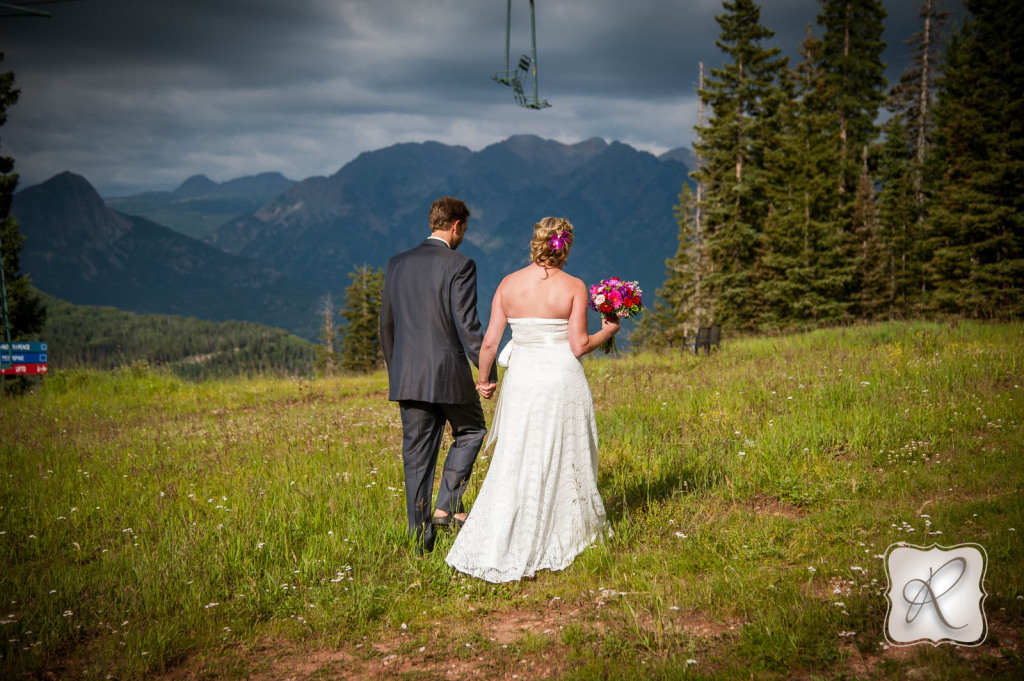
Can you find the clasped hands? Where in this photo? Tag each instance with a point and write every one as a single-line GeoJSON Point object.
{"type": "Point", "coordinates": [486, 390]}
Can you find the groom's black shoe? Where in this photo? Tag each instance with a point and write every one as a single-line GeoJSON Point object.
{"type": "Point", "coordinates": [448, 520]}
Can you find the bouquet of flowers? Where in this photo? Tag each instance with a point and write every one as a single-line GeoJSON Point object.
{"type": "Point", "coordinates": [616, 298]}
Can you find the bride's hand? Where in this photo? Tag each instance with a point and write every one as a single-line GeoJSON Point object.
{"type": "Point", "coordinates": [610, 325]}
{"type": "Point", "coordinates": [486, 390]}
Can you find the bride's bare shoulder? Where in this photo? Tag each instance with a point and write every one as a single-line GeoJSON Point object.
{"type": "Point", "coordinates": [512, 277]}
{"type": "Point", "coordinates": [574, 282]}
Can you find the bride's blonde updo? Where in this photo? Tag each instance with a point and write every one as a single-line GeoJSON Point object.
{"type": "Point", "coordinates": [552, 238]}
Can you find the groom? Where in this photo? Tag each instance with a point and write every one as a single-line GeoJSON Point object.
{"type": "Point", "coordinates": [429, 331]}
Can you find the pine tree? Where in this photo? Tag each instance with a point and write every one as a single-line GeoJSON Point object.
{"type": "Point", "coordinates": [682, 302]}
{"type": "Point", "coordinates": [360, 336]}
{"type": "Point", "coordinates": [896, 290]}
{"type": "Point", "coordinates": [744, 96]}
{"type": "Point", "coordinates": [851, 55]}
{"type": "Point", "coordinates": [874, 249]}
{"type": "Point", "coordinates": [913, 96]}
{"type": "Point", "coordinates": [326, 356]}
{"type": "Point", "coordinates": [26, 311]}
{"type": "Point", "coordinates": [976, 170]}
{"type": "Point", "coordinates": [805, 278]}
{"type": "Point", "coordinates": [908, 139]}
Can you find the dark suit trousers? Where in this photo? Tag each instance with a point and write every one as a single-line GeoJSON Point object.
{"type": "Point", "coordinates": [422, 427]}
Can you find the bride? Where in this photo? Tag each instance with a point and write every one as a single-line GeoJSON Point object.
{"type": "Point", "coordinates": [538, 506]}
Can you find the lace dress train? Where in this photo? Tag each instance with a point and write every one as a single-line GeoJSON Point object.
{"type": "Point", "coordinates": [538, 507]}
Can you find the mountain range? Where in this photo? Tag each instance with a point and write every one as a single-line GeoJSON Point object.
{"type": "Point", "coordinates": [80, 250]}
{"type": "Point", "coordinates": [270, 264]}
{"type": "Point", "coordinates": [199, 206]}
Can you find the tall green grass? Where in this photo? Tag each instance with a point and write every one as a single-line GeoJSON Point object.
{"type": "Point", "coordinates": [149, 524]}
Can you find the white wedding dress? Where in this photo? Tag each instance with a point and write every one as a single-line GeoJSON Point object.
{"type": "Point", "coordinates": [538, 507]}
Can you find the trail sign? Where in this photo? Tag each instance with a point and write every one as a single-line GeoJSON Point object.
{"type": "Point", "coordinates": [23, 358]}
{"type": "Point", "coordinates": [26, 358]}
{"type": "Point", "coordinates": [24, 347]}
{"type": "Point", "coordinates": [21, 369]}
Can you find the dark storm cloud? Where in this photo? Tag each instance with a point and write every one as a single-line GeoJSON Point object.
{"type": "Point", "coordinates": [142, 94]}
{"type": "Point", "coordinates": [209, 36]}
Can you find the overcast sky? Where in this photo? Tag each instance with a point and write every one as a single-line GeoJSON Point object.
{"type": "Point", "coordinates": [141, 94]}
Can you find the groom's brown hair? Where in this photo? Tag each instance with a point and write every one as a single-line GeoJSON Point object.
{"type": "Point", "coordinates": [445, 211]}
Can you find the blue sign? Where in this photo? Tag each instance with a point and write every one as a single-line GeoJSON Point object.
{"type": "Point", "coordinates": [24, 358]}
{"type": "Point", "coordinates": [23, 347]}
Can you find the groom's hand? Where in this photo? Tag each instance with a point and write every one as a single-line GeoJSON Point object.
{"type": "Point", "coordinates": [486, 390]}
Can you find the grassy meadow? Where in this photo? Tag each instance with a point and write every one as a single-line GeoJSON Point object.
{"type": "Point", "coordinates": [254, 528]}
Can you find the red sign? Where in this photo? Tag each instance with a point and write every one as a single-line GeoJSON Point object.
{"type": "Point", "coordinates": [24, 369]}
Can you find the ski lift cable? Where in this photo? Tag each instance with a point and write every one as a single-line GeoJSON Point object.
{"type": "Point", "coordinates": [23, 8]}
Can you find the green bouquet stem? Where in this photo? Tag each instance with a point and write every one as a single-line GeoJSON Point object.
{"type": "Point", "coordinates": [609, 345]}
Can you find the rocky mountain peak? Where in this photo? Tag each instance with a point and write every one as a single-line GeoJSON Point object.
{"type": "Point", "coordinates": [197, 185]}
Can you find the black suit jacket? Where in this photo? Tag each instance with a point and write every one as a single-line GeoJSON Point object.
{"type": "Point", "coordinates": [429, 327]}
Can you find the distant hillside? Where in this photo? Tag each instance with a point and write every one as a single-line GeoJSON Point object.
{"type": "Point", "coordinates": [107, 338]}
{"type": "Point", "coordinates": [78, 249]}
{"type": "Point", "coordinates": [619, 199]}
{"type": "Point", "coordinates": [200, 205]}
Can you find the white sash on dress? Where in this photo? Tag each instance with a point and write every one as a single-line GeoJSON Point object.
{"type": "Point", "coordinates": [506, 354]}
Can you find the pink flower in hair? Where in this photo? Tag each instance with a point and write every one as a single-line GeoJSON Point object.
{"type": "Point", "coordinates": [558, 240]}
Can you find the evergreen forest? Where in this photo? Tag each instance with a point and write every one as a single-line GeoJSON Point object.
{"type": "Point", "coordinates": [826, 195]}
{"type": "Point", "coordinates": [108, 338]}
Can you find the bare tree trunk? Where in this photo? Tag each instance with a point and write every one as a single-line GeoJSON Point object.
{"type": "Point", "coordinates": [842, 113]}
{"type": "Point", "coordinates": [739, 133]}
{"type": "Point", "coordinates": [922, 114]}
{"type": "Point", "coordinates": [807, 214]}
{"type": "Point", "coordinates": [698, 236]}
{"type": "Point", "coordinates": [327, 311]}
{"type": "Point", "coordinates": [739, 141]}
{"type": "Point", "coordinates": [700, 161]}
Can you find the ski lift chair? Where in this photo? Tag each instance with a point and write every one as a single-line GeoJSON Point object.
{"type": "Point", "coordinates": [515, 79]}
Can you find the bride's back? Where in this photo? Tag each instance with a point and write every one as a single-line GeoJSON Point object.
{"type": "Point", "coordinates": [534, 291]}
